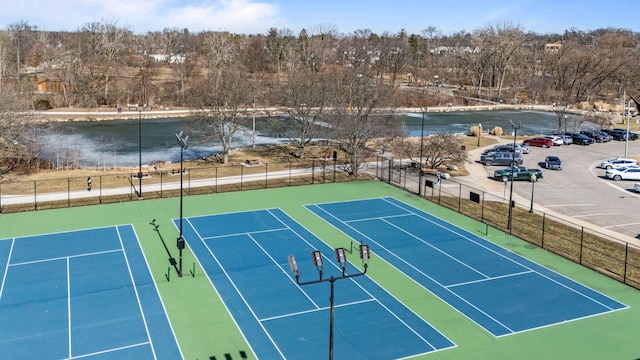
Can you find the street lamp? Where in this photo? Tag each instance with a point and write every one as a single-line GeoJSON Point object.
{"type": "Point", "coordinates": [565, 124]}
{"type": "Point", "coordinates": [180, 243]}
{"type": "Point", "coordinates": [341, 258]}
{"type": "Point", "coordinates": [533, 179]}
{"type": "Point", "coordinates": [421, 146]}
{"type": "Point", "coordinates": [626, 143]}
{"type": "Point", "coordinates": [479, 133]}
{"type": "Point", "coordinates": [140, 154]}
{"type": "Point", "coordinates": [513, 170]}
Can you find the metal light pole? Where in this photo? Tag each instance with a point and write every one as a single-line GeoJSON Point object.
{"type": "Point", "coordinates": [480, 133]}
{"type": "Point", "coordinates": [140, 154]}
{"type": "Point", "coordinates": [533, 183]}
{"type": "Point", "coordinates": [421, 146]}
{"type": "Point", "coordinates": [565, 124]}
{"type": "Point", "coordinates": [626, 143]}
{"type": "Point", "coordinates": [180, 243]}
{"type": "Point", "coordinates": [513, 165]}
{"type": "Point", "coordinates": [341, 257]}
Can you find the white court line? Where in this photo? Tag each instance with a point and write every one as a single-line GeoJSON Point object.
{"type": "Point", "coordinates": [490, 279]}
{"type": "Point", "coordinates": [600, 214]}
{"type": "Point", "coordinates": [414, 268]}
{"type": "Point", "coordinates": [246, 303]}
{"type": "Point", "coordinates": [316, 310]}
{"type": "Point", "coordinates": [6, 269]}
{"type": "Point", "coordinates": [619, 225]}
{"type": "Point", "coordinates": [569, 205]}
{"type": "Point", "coordinates": [69, 304]}
{"type": "Point", "coordinates": [135, 289]}
{"type": "Point", "coordinates": [66, 257]}
{"type": "Point", "coordinates": [243, 233]}
{"type": "Point", "coordinates": [111, 350]}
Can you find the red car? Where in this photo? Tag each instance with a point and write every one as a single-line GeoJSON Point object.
{"type": "Point", "coordinates": [543, 142]}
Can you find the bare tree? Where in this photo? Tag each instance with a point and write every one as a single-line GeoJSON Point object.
{"type": "Point", "coordinates": [18, 140]}
{"type": "Point", "coordinates": [304, 96]}
{"type": "Point", "coordinates": [360, 112]}
{"type": "Point", "coordinates": [441, 149]}
{"type": "Point", "coordinates": [222, 112]}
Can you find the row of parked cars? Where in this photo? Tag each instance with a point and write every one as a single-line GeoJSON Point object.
{"type": "Point", "coordinates": [584, 137]}
{"type": "Point", "coordinates": [621, 169]}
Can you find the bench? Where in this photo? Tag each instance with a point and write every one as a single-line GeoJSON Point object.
{"type": "Point", "coordinates": [427, 171]}
{"type": "Point", "coordinates": [252, 162]}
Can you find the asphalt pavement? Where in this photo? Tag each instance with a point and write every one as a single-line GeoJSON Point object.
{"type": "Point", "coordinates": [579, 191]}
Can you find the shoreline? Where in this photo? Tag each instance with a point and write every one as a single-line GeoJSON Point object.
{"type": "Point", "coordinates": [106, 114]}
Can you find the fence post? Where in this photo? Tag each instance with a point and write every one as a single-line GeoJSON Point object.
{"type": "Point", "coordinates": [68, 192]}
{"type": "Point", "coordinates": [266, 176]}
{"type": "Point", "coordinates": [390, 169]}
{"type": "Point", "coordinates": [459, 195]}
{"type": "Point", "coordinates": [35, 196]}
{"type": "Point", "coordinates": [626, 257]}
{"type": "Point", "coordinates": [581, 243]}
{"type": "Point", "coordinates": [482, 208]}
{"type": "Point", "coordinates": [334, 168]}
{"type": "Point", "coordinates": [313, 172]}
{"type": "Point", "coordinates": [544, 217]}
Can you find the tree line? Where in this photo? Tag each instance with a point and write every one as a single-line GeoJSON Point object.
{"type": "Point", "coordinates": [319, 77]}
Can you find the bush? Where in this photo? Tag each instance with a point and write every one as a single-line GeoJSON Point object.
{"type": "Point", "coordinates": [498, 131]}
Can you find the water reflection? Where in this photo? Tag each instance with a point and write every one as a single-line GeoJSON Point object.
{"type": "Point", "coordinates": [114, 143]}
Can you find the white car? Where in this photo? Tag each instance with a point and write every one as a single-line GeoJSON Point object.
{"type": "Point", "coordinates": [636, 187]}
{"type": "Point", "coordinates": [624, 173]}
{"type": "Point", "coordinates": [556, 140]}
{"type": "Point", "coordinates": [618, 163]}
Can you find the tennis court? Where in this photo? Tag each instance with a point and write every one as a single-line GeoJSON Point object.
{"type": "Point", "coordinates": [247, 304]}
{"type": "Point", "coordinates": [500, 291]}
{"type": "Point", "coordinates": [81, 294]}
{"type": "Point", "coordinates": [245, 256]}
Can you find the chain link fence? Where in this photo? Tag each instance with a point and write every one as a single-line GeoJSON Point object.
{"type": "Point", "coordinates": [608, 255]}
{"type": "Point", "coordinates": [16, 196]}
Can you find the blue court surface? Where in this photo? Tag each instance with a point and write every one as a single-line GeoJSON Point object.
{"type": "Point", "coordinates": [82, 294]}
{"type": "Point", "coordinates": [245, 257]}
{"type": "Point", "coordinates": [501, 291]}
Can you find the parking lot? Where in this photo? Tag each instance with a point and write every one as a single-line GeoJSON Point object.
{"type": "Point", "coordinates": [581, 189]}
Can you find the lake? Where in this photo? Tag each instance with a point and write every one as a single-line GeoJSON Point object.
{"type": "Point", "coordinates": [115, 143]}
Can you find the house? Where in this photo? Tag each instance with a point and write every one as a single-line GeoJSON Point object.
{"type": "Point", "coordinates": [553, 47]}
{"type": "Point", "coordinates": [51, 86]}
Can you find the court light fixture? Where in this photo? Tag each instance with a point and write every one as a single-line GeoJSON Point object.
{"type": "Point", "coordinates": [341, 258]}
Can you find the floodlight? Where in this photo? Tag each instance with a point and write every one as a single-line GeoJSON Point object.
{"type": "Point", "coordinates": [341, 255]}
{"type": "Point", "coordinates": [293, 264]}
{"type": "Point", "coordinates": [317, 258]}
{"type": "Point", "coordinates": [364, 252]}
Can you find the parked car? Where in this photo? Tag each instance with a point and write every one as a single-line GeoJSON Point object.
{"type": "Point", "coordinates": [568, 140]}
{"type": "Point", "coordinates": [525, 148]}
{"type": "Point", "coordinates": [539, 141]}
{"type": "Point", "coordinates": [618, 163]}
{"type": "Point", "coordinates": [616, 134]}
{"type": "Point", "coordinates": [556, 140]}
{"type": "Point", "coordinates": [580, 139]}
{"type": "Point", "coordinates": [624, 173]}
{"type": "Point", "coordinates": [502, 148]}
{"type": "Point", "coordinates": [517, 173]}
{"type": "Point", "coordinates": [553, 163]}
{"type": "Point", "coordinates": [596, 135]}
{"type": "Point", "coordinates": [632, 135]}
{"type": "Point", "coordinates": [502, 158]}
{"type": "Point", "coordinates": [636, 187]}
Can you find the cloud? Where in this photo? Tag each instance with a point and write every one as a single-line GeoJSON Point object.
{"type": "Point", "coordinates": [241, 16]}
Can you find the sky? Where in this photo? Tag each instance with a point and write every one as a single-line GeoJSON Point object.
{"type": "Point", "coordinates": [345, 16]}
